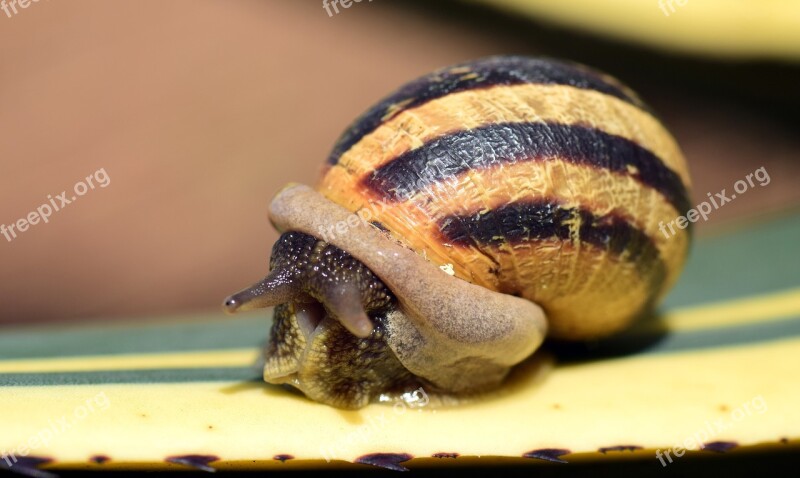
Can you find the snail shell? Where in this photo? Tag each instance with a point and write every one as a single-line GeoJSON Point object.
{"type": "Point", "coordinates": [539, 186]}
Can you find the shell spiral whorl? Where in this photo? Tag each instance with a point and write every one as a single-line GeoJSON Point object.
{"type": "Point", "coordinates": [531, 177]}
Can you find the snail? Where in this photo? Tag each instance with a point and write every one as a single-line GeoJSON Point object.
{"type": "Point", "coordinates": [461, 220]}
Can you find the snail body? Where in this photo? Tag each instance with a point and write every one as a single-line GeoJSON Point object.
{"type": "Point", "coordinates": [486, 205]}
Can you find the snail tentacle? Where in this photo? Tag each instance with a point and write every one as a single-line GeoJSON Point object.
{"type": "Point", "coordinates": [343, 301]}
{"type": "Point", "coordinates": [277, 288]}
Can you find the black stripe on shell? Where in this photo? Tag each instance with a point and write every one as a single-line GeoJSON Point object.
{"type": "Point", "coordinates": [483, 73]}
{"type": "Point", "coordinates": [507, 143]}
{"type": "Point", "coordinates": [542, 219]}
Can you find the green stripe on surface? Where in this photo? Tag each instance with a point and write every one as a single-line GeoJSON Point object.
{"type": "Point", "coordinates": [657, 342]}
{"type": "Point", "coordinates": [676, 342]}
{"type": "Point", "coordinates": [169, 375]}
{"type": "Point", "coordinates": [753, 261]}
{"type": "Point", "coordinates": [221, 333]}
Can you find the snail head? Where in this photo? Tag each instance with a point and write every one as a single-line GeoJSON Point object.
{"type": "Point", "coordinates": [328, 337]}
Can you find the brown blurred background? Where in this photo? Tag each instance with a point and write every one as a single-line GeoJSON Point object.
{"type": "Point", "coordinates": [200, 110]}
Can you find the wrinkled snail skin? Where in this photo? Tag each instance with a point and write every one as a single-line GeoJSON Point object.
{"type": "Point", "coordinates": [540, 184]}
{"type": "Point", "coordinates": [457, 336]}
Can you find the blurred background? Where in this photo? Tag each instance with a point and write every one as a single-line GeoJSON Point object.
{"type": "Point", "coordinates": [198, 111]}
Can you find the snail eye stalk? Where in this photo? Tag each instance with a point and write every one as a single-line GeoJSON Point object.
{"type": "Point", "coordinates": [277, 288]}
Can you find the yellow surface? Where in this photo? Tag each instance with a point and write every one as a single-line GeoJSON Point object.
{"type": "Point", "coordinates": [654, 401]}
{"type": "Point", "coordinates": [559, 411]}
{"type": "Point", "coordinates": [726, 28]}
{"type": "Point", "coordinates": [782, 305]}
{"type": "Point", "coordinates": [225, 358]}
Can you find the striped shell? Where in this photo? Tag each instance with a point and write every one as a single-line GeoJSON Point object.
{"type": "Point", "coordinates": [530, 177]}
